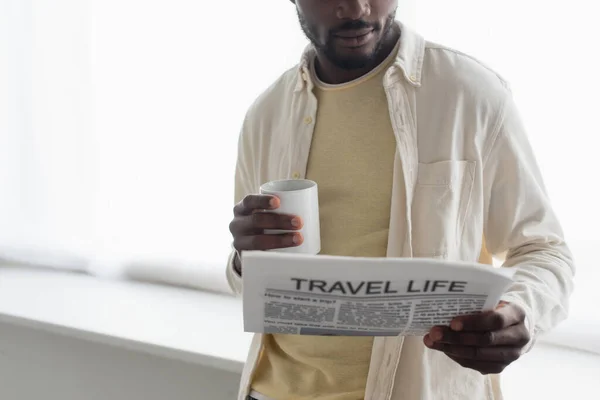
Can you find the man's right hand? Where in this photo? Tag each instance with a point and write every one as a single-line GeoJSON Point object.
{"type": "Point", "coordinates": [251, 218]}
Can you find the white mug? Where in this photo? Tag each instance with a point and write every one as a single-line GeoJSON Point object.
{"type": "Point", "coordinates": [298, 197]}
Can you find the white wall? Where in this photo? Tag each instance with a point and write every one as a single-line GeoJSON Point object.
{"type": "Point", "coordinates": [552, 373]}
{"type": "Point", "coordinates": [45, 123]}
{"type": "Point", "coordinates": [37, 365]}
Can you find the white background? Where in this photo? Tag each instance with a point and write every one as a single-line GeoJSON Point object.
{"type": "Point", "coordinates": [119, 125]}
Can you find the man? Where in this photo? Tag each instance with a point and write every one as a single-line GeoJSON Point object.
{"type": "Point", "coordinates": [418, 151]}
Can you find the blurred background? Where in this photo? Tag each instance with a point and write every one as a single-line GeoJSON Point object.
{"type": "Point", "coordinates": [119, 124]}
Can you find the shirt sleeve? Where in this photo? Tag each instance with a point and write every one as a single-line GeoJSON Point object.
{"type": "Point", "coordinates": [243, 187]}
{"type": "Point", "coordinates": [520, 222]}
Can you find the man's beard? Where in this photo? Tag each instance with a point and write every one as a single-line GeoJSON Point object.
{"type": "Point", "coordinates": [342, 61]}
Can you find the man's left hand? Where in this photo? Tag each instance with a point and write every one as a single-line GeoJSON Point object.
{"type": "Point", "coordinates": [486, 342]}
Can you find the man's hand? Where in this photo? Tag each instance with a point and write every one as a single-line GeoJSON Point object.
{"type": "Point", "coordinates": [250, 219]}
{"type": "Point", "coordinates": [486, 342]}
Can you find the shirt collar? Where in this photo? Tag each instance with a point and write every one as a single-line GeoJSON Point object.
{"type": "Point", "coordinates": [409, 59]}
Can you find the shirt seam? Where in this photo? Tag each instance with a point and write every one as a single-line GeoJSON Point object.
{"type": "Point", "coordinates": [432, 46]}
{"type": "Point", "coordinates": [494, 136]}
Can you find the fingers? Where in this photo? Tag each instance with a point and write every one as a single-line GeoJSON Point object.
{"type": "Point", "coordinates": [251, 203]}
{"type": "Point", "coordinates": [502, 317]}
{"type": "Point", "coordinates": [251, 220]}
{"type": "Point", "coordinates": [498, 354]}
{"type": "Point", "coordinates": [485, 342]}
{"type": "Point", "coordinates": [258, 221]}
{"type": "Point", "coordinates": [516, 335]}
{"type": "Point", "coordinates": [267, 242]}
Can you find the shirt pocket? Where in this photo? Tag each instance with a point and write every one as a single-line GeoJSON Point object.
{"type": "Point", "coordinates": [440, 206]}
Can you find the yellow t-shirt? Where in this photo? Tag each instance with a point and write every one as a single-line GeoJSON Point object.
{"type": "Point", "coordinates": [352, 161]}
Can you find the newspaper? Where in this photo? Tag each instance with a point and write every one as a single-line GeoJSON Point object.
{"type": "Point", "coordinates": [290, 293]}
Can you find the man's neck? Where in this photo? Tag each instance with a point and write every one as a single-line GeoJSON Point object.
{"type": "Point", "coordinates": [332, 74]}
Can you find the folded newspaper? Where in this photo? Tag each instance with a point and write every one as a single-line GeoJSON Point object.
{"type": "Point", "coordinates": [301, 294]}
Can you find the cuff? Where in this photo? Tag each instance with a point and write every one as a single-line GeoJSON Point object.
{"type": "Point", "coordinates": [233, 278]}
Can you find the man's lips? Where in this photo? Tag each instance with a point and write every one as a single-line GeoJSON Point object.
{"type": "Point", "coordinates": [354, 33]}
{"type": "Point", "coordinates": [354, 38]}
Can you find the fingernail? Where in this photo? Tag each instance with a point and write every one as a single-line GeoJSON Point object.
{"type": "Point", "coordinates": [296, 222]}
{"type": "Point", "coordinates": [456, 326]}
{"type": "Point", "coordinates": [436, 335]}
{"type": "Point", "coordinates": [297, 239]}
{"type": "Point", "coordinates": [273, 202]}
{"type": "Point", "coordinates": [427, 341]}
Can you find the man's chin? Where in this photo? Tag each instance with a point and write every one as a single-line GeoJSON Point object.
{"type": "Point", "coordinates": [352, 63]}
{"type": "Point", "coordinates": [351, 59]}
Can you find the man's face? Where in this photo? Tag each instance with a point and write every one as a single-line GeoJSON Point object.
{"type": "Point", "coordinates": [350, 33]}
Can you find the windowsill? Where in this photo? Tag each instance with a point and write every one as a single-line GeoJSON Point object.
{"type": "Point", "coordinates": [188, 325]}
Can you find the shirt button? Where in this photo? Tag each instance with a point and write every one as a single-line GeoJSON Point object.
{"type": "Point", "coordinates": [413, 78]}
{"type": "Point", "coordinates": [308, 120]}
{"type": "Point", "coordinates": [296, 175]}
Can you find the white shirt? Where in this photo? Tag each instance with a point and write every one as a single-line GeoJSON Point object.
{"type": "Point", "coordinates": [464, 165]}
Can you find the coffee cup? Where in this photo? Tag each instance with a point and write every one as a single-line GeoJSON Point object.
{"type": "Point", "coordinates": [298, 197]}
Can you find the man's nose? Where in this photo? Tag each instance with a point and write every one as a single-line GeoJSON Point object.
{"type": "Point", "coordinates": [353, 9]}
